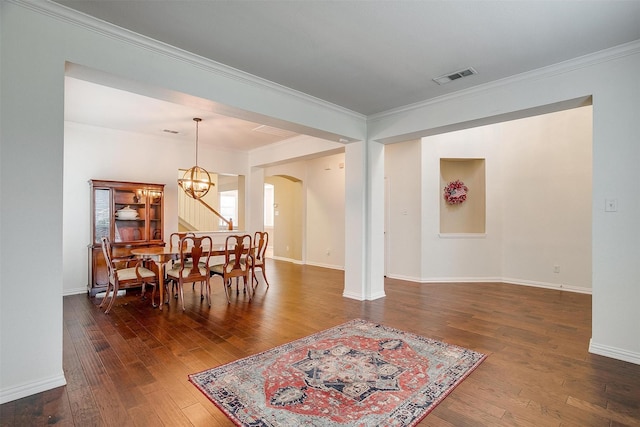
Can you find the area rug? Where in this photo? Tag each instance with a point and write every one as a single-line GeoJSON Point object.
{"type": "Point", "coordinates": [356, 374]}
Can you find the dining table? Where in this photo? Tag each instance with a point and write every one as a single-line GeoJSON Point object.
{"type": "Point", "coordinates": [161, 255]}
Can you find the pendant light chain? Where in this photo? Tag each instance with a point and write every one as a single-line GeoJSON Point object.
{"type": "Point", "coordinates": [197, 120]}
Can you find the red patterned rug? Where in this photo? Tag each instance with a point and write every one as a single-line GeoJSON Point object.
{"type": "Point", "coordinates": [356, 374]}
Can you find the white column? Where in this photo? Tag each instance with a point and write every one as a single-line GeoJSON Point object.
{"type": "Point", "coordinates": [364, 221]}
{"type": "Point", "coordinates": [254, 201]}
{"type": "Point", "coordinates": [375, 221]}
{"type": "Point", "coordinates": [354, 227]}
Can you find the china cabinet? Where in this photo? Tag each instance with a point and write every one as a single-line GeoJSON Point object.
{"type": "Point", "coordinates": [130, 214]}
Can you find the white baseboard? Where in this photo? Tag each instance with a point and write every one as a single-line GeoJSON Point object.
{"type": "Point", "coordinates": [360, 297]}
{"type": "Point", "coordinates": [331, 266]}
{"type": "Point", "coordinates": [357, 297]}
{"type": "Point", "coordinates": [614, 353]}
{"type": "Point", "coordinates": [18, 392]}
{"type": "Point", "coordinates": [405, 278]}
{"type": "Point", "coordinates": [291, 260]}
{"type": "Point", "coordinates": [446, 279]}
{"type": "Point", "coordinates": [546, 285]}
{"type": "Point", "coordinates": [121, 293]}
{"type": "Point", "coordinates": [507, 280]}
{"type": "Point", "coordinates": [74, 291]}
{"type": "Point", "coordinates": [315, 264]}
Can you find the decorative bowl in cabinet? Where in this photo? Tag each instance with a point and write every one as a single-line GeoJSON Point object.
{"type": "Point", "coordinates": [127, 213]}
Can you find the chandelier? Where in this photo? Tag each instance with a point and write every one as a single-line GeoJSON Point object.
{"type": "Point", "coordinates": [196, 181]}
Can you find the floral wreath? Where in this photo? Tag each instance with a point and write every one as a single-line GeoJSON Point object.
{"type": "Point", "coordinates": [455, 192]}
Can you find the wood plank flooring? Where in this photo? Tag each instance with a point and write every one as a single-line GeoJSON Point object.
{"type": "Point", "coordinates": [129, 368]}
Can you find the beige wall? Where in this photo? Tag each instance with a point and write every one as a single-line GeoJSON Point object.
{"type": "Point", "coordinates": [318, 230]}
{"type": "Point", "coordinates": [469, 216]}
{"type": "Point", "coordinates": [287, 220]}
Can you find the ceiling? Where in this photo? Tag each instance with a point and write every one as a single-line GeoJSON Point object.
{"type": "Point", "coordinates": [104, 106]}
{"type": "Point", "coordinates": [366, 56]}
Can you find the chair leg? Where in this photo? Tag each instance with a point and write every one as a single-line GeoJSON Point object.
{"type": "Point", "coordinates": [208, 287]}
{"type": "Point", "coordinates": [226, 287]}
{"type": "Point", "coordinates": [247, 280]}
{"type": "Point", "coordinates": [113, 298]}
{"type": "Point", "coordinates": [153, 295]}
{"type": "Point", "coordinates": [254, 279]}
{"type": "Point", "coordinates": [106, 295]}
{"type": "Point", "coordinates": [264, 274]}
{"type": "Point", "coordinates": [165, 283]}
{"type": "Point", "coordinates": [181, 293]}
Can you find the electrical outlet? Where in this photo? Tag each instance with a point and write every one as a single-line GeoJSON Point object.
{"type": "Point", "coordinates": [611, 205]}
{"type": "Point", "coordinates": [556, 269]}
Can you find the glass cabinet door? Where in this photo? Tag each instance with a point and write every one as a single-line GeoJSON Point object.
{"type": "Point", "coordinates": [155, 214]}
{"type": "Point", "coordinates": [102, 214]}
{"type": "Point", "coordinates": [130, 209]}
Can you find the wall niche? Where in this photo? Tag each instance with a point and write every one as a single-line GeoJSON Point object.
{"type": "Point", "coordinates": [468, 217]}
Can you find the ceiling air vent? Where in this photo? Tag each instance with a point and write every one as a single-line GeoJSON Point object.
{"type": "Point", "coordinates": [455, 76]}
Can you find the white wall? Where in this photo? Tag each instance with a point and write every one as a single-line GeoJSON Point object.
{"type": "Point", "coordinates": [451, 257]}
{"type": "Point", "coordinates": [538, 188]}
{"type": "Point", "coordinates": [38, 39]}
{"type": "Point", "coordinates": [403, 212]}
{"type": "Point", "coordinates": [292, 149]}
{"type": "Point", "coordinates": [616, 102]}
{"type": "Point", "coordinates": [546, 192]}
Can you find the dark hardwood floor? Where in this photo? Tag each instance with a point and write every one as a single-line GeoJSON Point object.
{"type": "Point", "coordinates": [129, 368]}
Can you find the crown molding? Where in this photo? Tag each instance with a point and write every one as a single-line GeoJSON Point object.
{"type": "Point", "coordinates": [90, 23]}
{"type": "Point", "coordinates": [104, 28]}
{"type": "Point", "coordinates": [606, 55]}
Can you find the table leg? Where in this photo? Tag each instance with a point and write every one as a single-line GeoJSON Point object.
{"type": "Point", "coordinates": [160, 265]}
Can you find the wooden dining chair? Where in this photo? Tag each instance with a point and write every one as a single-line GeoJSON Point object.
{"type": "Point", "coordinates": [260, 242]}
{"type": "Point", "coordinates": [195, 253]}
{"type": "Point", "coordinates": [175, 240]}
{"type": "Point", "coordinates": [125, 272]}
{"type": "Point", "coordinates": [237, 249]}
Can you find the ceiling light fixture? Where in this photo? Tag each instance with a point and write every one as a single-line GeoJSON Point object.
{"type": "Point", "coordinates": [196, 181]}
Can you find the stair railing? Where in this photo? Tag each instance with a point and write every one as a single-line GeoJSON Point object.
{"type": "Point", "coordinates": [229, 221]}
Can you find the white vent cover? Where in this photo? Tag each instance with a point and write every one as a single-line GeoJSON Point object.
{"type": "Point", "coordinates": [455, 76]}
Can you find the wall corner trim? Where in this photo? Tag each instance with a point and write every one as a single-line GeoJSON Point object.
{"type": "Point", "coordinates": [614, 352]}
{"type": "Point", "coordinates": [13, 393]}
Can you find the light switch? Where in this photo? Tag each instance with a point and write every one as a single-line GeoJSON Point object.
{"type": "Point", "coordinates": [611, 205]}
